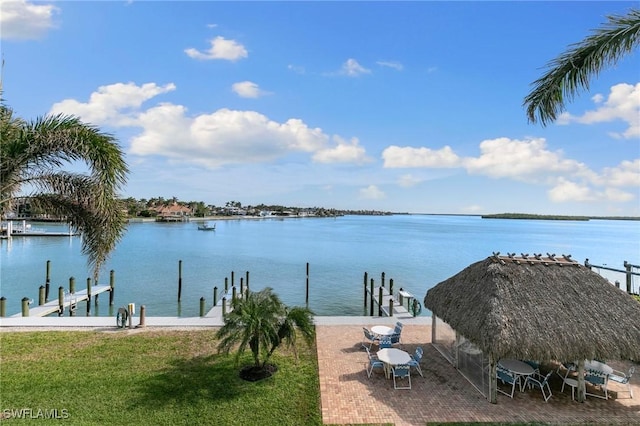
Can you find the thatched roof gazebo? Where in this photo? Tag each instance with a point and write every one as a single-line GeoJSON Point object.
{"type": "Point", "coordinates": [538, 308]}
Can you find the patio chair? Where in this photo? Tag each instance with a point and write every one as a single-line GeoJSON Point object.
{"type": "Point", "coordinates": [369, 338]}
{"type": "Point", "coordinates": [374, 362]}
{"type": "Point", "coordinates": [569, 366]}
{"type": "Point", "coordinates": [385, 342]}
{"type": "Point", "coordinates": [541, 382]}
{"type": "Point", "coordinates": [401, 371]}
{"type": "Point", "coordinates": [506, 377]}
{"type": "Point", "coordinates": [623, 379]}
{"type": "Point", "coordinates": [415, 360]}
{"type": "Point", "coordinates": [597, 379]}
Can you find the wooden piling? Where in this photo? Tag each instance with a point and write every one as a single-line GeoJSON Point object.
{"type": "Point", "coordinates": [60, 301]}
{"type": "Point", "coordinates": [3, 306]}
{"type": "Point", "coordinates": [380, 301]}
{"type": "Point", "coordinates": [391, 286]}
{"type": "Point", "coordinates": [25, 306]}
{"type": "Point", "coordinates": [72, 285]}
{"type": "Point", "coordinates": [202, 306]}
{"type": "Point", "coordinates": [241, 286]}
{"type": "Point", "coordinates": [47, 282]}
{"type": "Point", "coordinates": [224, 306]}
{"type": "Point", "coordinates": [306, 299]}
{"type": "Point", "coordinates": [112, 284]}
{"type": "Point", "coordinates": [88, 296]}
{"type": "Point", "coordinates": [232, 279]}
{"type": "Point", "coordinates": [226, 284]}
{"type": "Point", "coordinates": [365, 290]}
{"type": "Point", "coordinates": [382, 279]}
{"type": "Point", "coordinates": [627, 267]}
{"type": "Point", "coordinates": [215, 296]}
{"type": "Point", "coordinates": [391, 307]}
{"type": "Point", "coordinates": [372, 297]}
{"type": "Point", "coordinates": [41, 295]}
{"type": "Point", "coordinates": [143, 316]}
{"type": "Point", "coordinates": [233, 293]}
{"type": "Point", "coordinates": [247, 281]}
{"type": "Point", "coordinates": [179, 280]}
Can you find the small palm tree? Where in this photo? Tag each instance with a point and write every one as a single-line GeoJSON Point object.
{"type": "Point", "coordinates": [33, 159]}
{"type": "Point", "coordinates": [262, 323]}
{"type": "Point", "coordinates": [573, 69]}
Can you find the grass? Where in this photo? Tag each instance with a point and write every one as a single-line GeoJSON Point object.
{"type": "Point", "coordinates": [151, 378]}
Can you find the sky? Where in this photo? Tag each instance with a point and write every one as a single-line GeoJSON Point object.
{"type": "Point", "coordinates": [396, 106]}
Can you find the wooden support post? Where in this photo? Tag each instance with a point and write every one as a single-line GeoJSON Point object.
{"type": "Point", "coordinates": [380, 301]}
{"type": "Point", "coordinates": [25, 306]}
{"type": "Point", "coordinates": [617, 284]}
{"type": "Point", "coordinates": [3, 306]}
{"type": "Point", "coordinates": [179, 280]}
{"type": "Point", "coordinates": [401, 297]}
{"type": "Point", "coordinates": [112, 284]}
{"type": "Point", "coordinates": [224, 306]}
{"type": "Point", "coordinates": [382, 279]}
{"type": "Point", "coordinates": [232, 278]}
{"type": "Point", "coordinates": [215, 296]}
{"type": "Point", "coordinates": [60, 301]}
{"type": "Point", "coordinates": [202, 306]}
{"type": "Point", "coordinates": [247, 280]}
{"type": "Point", "coordinates": [371, 298]}
{"type": "Point", "coordinates": [233, 293]}
{"type": "Point", "coordinates": [143, 316]}
{"type": "Point", "coordinates": [391, 307]}
{"type": "Point", "coordinates": [306, 299]}
{"type": "Point", "coordinates": [391, 286]}
{"type": "Point", "coordinates": [47, 282]}
{"type": "Point", "coordinates": [365, 291]}
{"type": "Point", "coordinates": [226, 285]}
{"type": "Point", "coordinates": [241, 286]}
{"type": "Point", "coordinates": [88, 296]}
{"type": "Point", "coordinates": [493, 377]}
{"type": "Point", "coordinates": [41, 295]}
{"type": "Point", "coordinates": [627, 267]}
{"type": "Point", "coordinates": [130, 308]}
{"type": "Point", "coordinates": [72, 285]}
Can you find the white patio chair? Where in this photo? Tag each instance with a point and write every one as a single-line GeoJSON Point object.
{"type": "Point", "coordinates": [401, 371]}
{"type": "Point", "coordinates": [368, 339]}
{"type": "Point", "coordinates": [374, 362]}
{"type": "Point", "coordinates": [506, 377]}
{"type": "Point", "coordinates": [415, 360]}
{"type": "Point", "coordinates": [541, 382]}
{"type": "Point", "coordinates": [623, 379]}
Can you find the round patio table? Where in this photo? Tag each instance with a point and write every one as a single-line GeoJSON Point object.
{"type": "Point", "coordinates": [382, 330]}
{"type": "Point", "coordinates": [517, 367]}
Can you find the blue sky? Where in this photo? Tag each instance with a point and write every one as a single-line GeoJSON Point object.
{"type": "Point", "coordinates": [398, 106]}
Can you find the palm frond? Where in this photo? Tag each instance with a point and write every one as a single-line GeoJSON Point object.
{"type": "Point", "coordinates": [572, 70]}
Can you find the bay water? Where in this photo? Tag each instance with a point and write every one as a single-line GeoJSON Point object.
{"type": "Point", "coordinates": [416, 251]}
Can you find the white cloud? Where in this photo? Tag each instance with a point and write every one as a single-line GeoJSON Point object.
{"type": "Point", "coordinates": [296, 68]}
{"type": "Point", "coordinates": [248, 89]}
{"type": "Point", "coordinates": [22, 20]}
{"type": "Point", "coordinates": [115, 104]}
{"type": "Point", "coordinates": [626, 174]}
{"type": "Point", "coordinates": [622, 104]}
{"type": "Point", "coordinates": [372, 192]}
{"type": "Point", "coordinates": [407, 181]}
{"type": "Point", "coordinates": [566, 191]}
{"type": "Point", "coordinates": [342, 152]}
{"type": "Point", "coordinates": [391, 64]}
{"type": "Point", "coordinates": [353, 69]}
{"type": "Point", "coordinates": [403, 157]}
{"type": "Point", "coordinates": [521, 160]}
{"type": "Point", "coordinates": [221, 48]}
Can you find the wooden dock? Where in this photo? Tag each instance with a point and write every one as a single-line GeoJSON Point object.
{"type": "Point", "coordinates": [70, 301]}
{"type": "Point", "coordinates": [382, 303]}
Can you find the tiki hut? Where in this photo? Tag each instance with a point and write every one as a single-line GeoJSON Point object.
{"type": "Point", "coordinates": [538, 308]}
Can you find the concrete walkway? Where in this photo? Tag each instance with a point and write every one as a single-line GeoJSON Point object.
{"type": "Point", "coordinates": [349, 397]}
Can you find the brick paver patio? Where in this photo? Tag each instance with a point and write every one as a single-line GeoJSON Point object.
{"type": "Point", "coordinates": [443, 395]}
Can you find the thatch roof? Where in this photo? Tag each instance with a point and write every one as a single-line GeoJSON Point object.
{"type": "Point", "coordinates": [541, 309]}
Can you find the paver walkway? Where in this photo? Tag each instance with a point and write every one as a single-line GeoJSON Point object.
{"type": "Point", "coordinates": [443, 395]}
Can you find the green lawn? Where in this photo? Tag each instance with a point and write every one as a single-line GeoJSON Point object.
{"type": "Point", "coordinates": [150, 378]}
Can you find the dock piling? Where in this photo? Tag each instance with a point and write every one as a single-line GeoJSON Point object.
{"type": "Point", "coordinates": [60, 301]}
{"type": "Point", "coordinates": [215, 296]}
{"type": "Point", "coordinates": [143, 316]}
{"type": "Point", "coordinates": [224, 306]}
{"type": "Point", "coordinates": [25, 306]}
{"type": "Point", "coordinates": [3, 306]}
{"type": "Point", "coordinates": [247, 281]}
{"type": "Point", "coordinates": [112, 284]}
{"type": "Point", "coordinates": [391, 307]}
{"type": "Point", "coordinates": [372, 298]}
{"type": "Point", "coordinates": [47, 281]}
{"type": "Point", "coordinates": [88, 296]}
{"type": "Point", "coordinates": [202, 306]}
{"type": "Point", "coordinates": [41, 295]}
{"type": "Point", "coordinates": [72, 285]}
{"type": "Point", "coordinates": [179, 280]}
{"type": "Point", "coordinates": [380, 293]}
{"type": "Point", "coordinates": [307, 288]}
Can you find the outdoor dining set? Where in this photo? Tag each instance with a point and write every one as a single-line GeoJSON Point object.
{"type": "Point", "coordinates": [525, 374]}
{"type": "Point", "coordinates": [390, 358]}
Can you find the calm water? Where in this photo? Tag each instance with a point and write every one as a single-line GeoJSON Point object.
{"type": "Point", "coordinates": [416, 251]}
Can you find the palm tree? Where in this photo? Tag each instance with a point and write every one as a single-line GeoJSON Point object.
{"type": "Point", "coordinates": [33, 158]}
{"type": "Point", "coordinates": [262, 323]}
{"type": "Point", "coordinates": [573, 69]}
